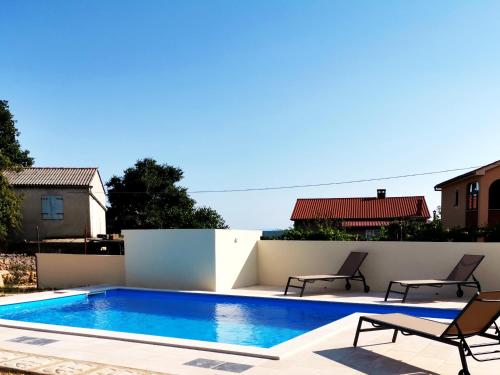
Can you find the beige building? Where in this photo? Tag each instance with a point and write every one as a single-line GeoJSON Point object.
{"type": "Point", "coordinates": [472, 199]}
{"type": "Point", "coordinates": [60, 202]}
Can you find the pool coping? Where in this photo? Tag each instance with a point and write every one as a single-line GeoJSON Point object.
{"type": "Point", "coordinates": [275, 353]}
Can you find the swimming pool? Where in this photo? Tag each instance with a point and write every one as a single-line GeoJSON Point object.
{"type": "Point", "coordinates": [246, 321]}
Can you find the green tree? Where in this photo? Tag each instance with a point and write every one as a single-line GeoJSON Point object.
{"type": "Point", "coordinates": [319, 230]}
{"type": "Point", "coordinates": [147, 197]}
{"type": "Point", "coordinates": [11, 154]}
{"type": "Point", "coordinates": [11, 157]}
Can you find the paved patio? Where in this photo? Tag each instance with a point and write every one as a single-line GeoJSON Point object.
{"type": "Point", "coordinates": [52, 353]}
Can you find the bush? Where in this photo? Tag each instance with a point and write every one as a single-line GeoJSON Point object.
{"type": "Point", "coordinates": [492, 233]}
{"type": "Point", "coordinates": [318, 231]}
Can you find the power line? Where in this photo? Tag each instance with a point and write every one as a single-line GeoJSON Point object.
{"type": "Point", "coordinates": [329, 183]}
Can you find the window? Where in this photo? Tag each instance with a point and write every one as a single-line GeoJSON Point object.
{"type": "Point", "coordinates": [456, 198]}
{"type": "Point", "coordinates": [472, 196]}
{"type": "Point", "coordinates": [372, 233]}
{"type": "Point", "coordinates": [52, 207]}
{"type": "Point", "coordinates": [494, 196]}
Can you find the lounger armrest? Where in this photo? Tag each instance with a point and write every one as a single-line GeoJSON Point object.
{"type": "Point", "coordinates": [487, 300]}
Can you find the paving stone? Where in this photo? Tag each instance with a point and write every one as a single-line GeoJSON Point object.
{"type": "Point", "coordinates": [29, 362]}
{"type": "Point", "coordinates": [205, 363]}
{"type": "Point", "coordinates": [32, 340]}
{"type": "Point", "coordinates": [232, 367]}
{"type": "Point", "coordinates": [7, 356]}
{"type": "Point", "coordinates": [117, 371]}
{"type": "Point", "coordinates": [68, 368]}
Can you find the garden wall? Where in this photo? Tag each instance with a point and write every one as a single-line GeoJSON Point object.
{"type": "Point", "coordinates": [74, 270]}
{"type": "Point", "coordinates": [385, 261]}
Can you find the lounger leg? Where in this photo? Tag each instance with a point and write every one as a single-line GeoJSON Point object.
{"type": "Point", "coordinates": [395, 335]}
{"type": "Point", "coordinates": [303, 287]}
{"type": "Point", "coordinates": [406, 294]}
{"type": "Point", "coordinates": [366, 288]}
{"type": "Point", "coordinates": [478, 286]}
{"type": "Point", "coordinates": [388, 291]}
{"type": "Point", "coordinates": [287, 285]}
{"type": "Point", "coordinates": [358, 330]}
{"type": "Point", "coordinates": [347, 284]}
{"type": "Point", "coordinates": [465, 368]}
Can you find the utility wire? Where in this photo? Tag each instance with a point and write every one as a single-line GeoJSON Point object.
{"type": "Point", "coordinates": [329, 183]}
{"type": "Point", "coordinates": [265, 188]}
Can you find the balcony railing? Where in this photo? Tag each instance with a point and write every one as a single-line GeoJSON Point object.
{"type": "Point", "coordinates": [493, 216]}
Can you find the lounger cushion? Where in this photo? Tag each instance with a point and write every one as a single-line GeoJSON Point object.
{"type": "Point", "coordinates": [426, 326]}
{"type": "Point", "coordinates": [320, 277]}
{"type": "Point", "coordinates": [424, 282]}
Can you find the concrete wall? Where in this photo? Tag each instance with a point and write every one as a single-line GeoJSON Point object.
{"type": "Point", "coordinates": [170, 259]}
{"type": "Point", "coordinates": [454, 216]}
{"type": "Point", "coordinates": [200, 259]}
{"type": "Point", "coordinates": [236, 258]}
{"type": "Point", "coordinates": [69, 270]}
{"type": "Point", "coordinates": [386, 261]}
{"type": "Point", "coordinates": [97, 218]}
{"type": "Point", "coordinates": [76, 213]}
{"type": "Point", "coordinates": [97, 202]}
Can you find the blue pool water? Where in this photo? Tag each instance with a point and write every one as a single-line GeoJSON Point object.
{"type": "Point", "coordinates": [259, 322]}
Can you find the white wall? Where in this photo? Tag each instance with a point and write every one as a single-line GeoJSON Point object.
{"type": "Point", "coordinates": [97, 212]}
{"type": "Point", "coordinates": [200, 259]}
{"type": "Point", "coordinates": [385, 261]}
{"type": "Point", "coordinates": [236, 258]}
{"type": "Point", "coordinates": [97, 218]}
{"type": "Point", "coordinates": [170, 258]}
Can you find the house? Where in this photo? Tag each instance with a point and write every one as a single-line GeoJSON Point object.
{"type": "Point", "coordinates": [364, 216]}
{"type": "Point", "coordinates": [471, 199]}
{"type": "Point", "coordinates": [60, 202]}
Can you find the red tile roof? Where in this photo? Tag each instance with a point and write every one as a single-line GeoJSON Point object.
{"type": "Point", "coordinates": [51, 176]}
{"type": "Point", "coordinates": [365, 223]}
{"type": "Point", "coordinates": [361, 208]}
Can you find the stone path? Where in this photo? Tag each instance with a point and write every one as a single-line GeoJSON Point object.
{"type": "Point", "coordinates": [35, 364]}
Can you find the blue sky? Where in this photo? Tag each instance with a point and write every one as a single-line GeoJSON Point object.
{"type": "Point", "coordinates": [258, 93]}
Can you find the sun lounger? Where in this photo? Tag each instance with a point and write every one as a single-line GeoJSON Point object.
{"type": "Point", "coordinates": [460, 276]}
{"type": "Point", "coordinates": [476, 319]}
{"type": "Point", "coordinates": [348, 272]}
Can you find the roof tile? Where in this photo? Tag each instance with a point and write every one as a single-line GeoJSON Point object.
{"type": "Point", "coordinates": [51, 176]}
{"type": "Point", "coordinates": [360, 208]}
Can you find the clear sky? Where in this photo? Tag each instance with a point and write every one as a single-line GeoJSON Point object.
{"type": "Point", "coordinates": [258, 93]}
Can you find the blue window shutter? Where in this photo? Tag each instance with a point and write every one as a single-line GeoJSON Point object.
{"type": "Point", "coordinates": [58, 208]}
{"type": "Point", "coordinates": [45, 207]}
{"type": "Point", "coordinates": [52, 207]}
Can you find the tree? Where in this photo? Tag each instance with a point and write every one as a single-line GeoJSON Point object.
{"type": "Point", "coordinates": [147, 197]}
{"type": "Point", "coordinates": [11, 154]}
{"type": "Point", "coordinates": [10, 210]}
{"type": "Point", "coordinates": [318, 230]}
{"type": "Point", "coordinates": [11, 157]}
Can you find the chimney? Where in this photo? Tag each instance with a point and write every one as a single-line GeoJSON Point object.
{"type": "Point", "coordinates": [380, 193]}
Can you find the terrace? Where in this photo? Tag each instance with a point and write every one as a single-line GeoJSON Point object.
{"type": "Point", "coordinates": [238, 263]}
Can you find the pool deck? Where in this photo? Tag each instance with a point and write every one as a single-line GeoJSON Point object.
{"type": "Point", "coordinates": [69, 354]}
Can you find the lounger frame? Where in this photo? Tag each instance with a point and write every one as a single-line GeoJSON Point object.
{"type": "Point", "coordinates": [356, 276]}
{"type": "Point", "coordinates": [467, 283]}
{"type": "Point", "coordinates": [458, 340]}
